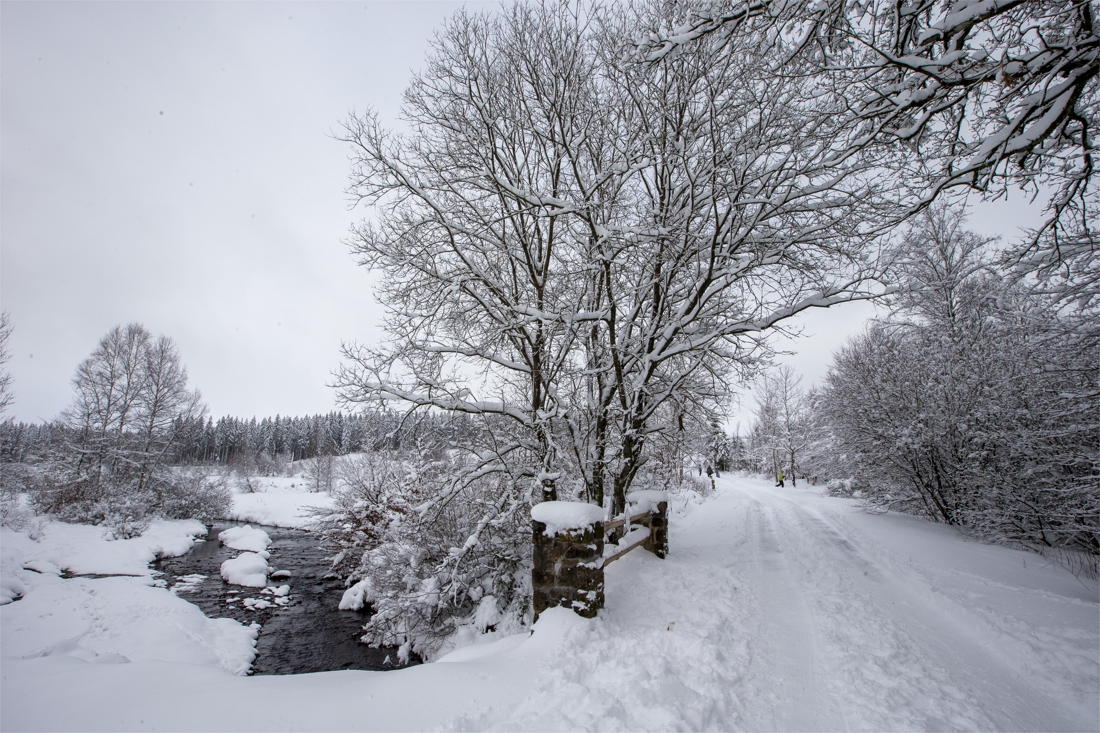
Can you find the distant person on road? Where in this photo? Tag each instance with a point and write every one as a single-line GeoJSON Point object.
{"type": "Point", "coordinates": [780, 484]}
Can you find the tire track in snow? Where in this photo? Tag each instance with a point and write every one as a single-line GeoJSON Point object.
{"type": "Point", "coordinates": [902, 645]}
{"type": "Point", "coordinates": [785, 664]}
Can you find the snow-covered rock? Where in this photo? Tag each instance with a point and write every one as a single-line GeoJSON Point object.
{"type": "Point", "coordinates": [248, 569]}
{"type": "Point", "coordinates": [245, 538]}
{"type": "Point", "coordinates": [357, 596]}
{"type": "Point", "coordinates": [487, 614]}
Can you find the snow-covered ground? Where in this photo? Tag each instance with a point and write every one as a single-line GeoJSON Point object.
{"type": "Point", "coordinates": [777, 609]}
{"type": "Point", "coordinates": [127, 616]}
{"type": "Point", "coordinates": [279, 501]}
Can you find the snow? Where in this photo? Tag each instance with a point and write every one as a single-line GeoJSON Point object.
{"type": "Point", "coordinates": [357, 596]}
{"type": "Point", "coordinates": [632, 538]}
{"type": "Point", "coordinates": [83, 550]}
{"type": "Point", "coordinates": [560, 516]}
{"type": "Point", "coordinates": [127, 618]}
{"type": "Point", "coordinates": [248, 569]}
{"type": "Point", "coordinates": [487, 614]}
{"type": "Point", "coordinates": [775, 609]}
{"type": "Point", "coordinates": [645, 501]}
{"type": "Point", "coordinates": [279, 502]}
{"type": "Point", "coordinates": [245, 538]}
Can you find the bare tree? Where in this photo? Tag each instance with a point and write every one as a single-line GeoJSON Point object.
{"type": "Point", "coordinates": [741, 220]}
{"type": "Point", "coordinates": [975, 403]}
{"type": "Point", "coordinates": [980, 95]}
{"type": "Point", "coordinates": [6, 396]}
{"type": "Point", "coordinates": [131, 402]}
{"type": "Point", "coordinates": [780, 433]}
{"type": "Point", "coordinates": [578, 250]}
{"type": "Point", "coordinates": [481, 284]}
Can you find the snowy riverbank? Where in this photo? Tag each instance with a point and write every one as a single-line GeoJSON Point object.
{"type": "Point", "coordinates": [776, 609]}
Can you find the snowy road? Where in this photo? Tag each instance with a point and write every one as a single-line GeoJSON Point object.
{"type": "Point", "coordinates": [852, 635]}
{"type": "Point", "coordinates": [777, 609]}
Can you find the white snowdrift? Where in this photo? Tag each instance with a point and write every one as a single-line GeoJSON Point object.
{"type": "Point", "coordinates": [249, 569]}
{"type": "Point", "coordinates": [84, 550]}
{"type": "Point", "coordinates": [245, 538]}
{"type": "Point", "coordinates": [560, 516]}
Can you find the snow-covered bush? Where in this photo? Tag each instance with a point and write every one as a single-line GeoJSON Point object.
{"type": "Point", "coordinates": [372, 491]}
{"type": "Point", "coordinates": [193, 494]}
{"type": "Point", "coordinates": [839, 487]}
{"type": "Point", "coordinates": [975, 404]}
{"type": "Point", "coordinates": [124, 505]}
{"type": "Point", "coordinates": [427, 567]}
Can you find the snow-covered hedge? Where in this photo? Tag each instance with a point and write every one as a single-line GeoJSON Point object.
{"type": "Point", "coordinates": [126, 503]}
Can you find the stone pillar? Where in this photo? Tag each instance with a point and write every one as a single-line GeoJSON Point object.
{"type": "Point", "coordinates": [568, 569]}
{"type": "Point", "coordinates": [658, 531]}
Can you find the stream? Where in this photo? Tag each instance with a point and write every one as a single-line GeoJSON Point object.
{"type": "Point", "coordinates": [308, 633]}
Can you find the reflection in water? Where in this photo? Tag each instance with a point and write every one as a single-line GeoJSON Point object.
{"type": "Point", "coordinates": [309, 633]}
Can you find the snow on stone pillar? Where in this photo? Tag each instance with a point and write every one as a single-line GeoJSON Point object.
{"type": "Point", "coordinates": [568, 556]}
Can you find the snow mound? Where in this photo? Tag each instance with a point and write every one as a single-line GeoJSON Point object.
{"type": "Point", "coordinates": [357, 596]}
{"type": "Point", "coordinates": [107, 620]}
{"type": "Point", "coordinates": [645, 501]}
{"type": "Point", "coordinates": [560, 516]}
{"type": "Point", "coordinates": [248, 569]}
{"type": "Point", "coordinates": [245, 538]}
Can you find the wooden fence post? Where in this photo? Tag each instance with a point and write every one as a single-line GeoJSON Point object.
{"type": "Point", "coordinates": [568, 549]}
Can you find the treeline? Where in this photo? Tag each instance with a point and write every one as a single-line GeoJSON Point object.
{"type": "Point", "coordinates": [233, 440]}
{"type": "Point", "coordinates": [136, 443]}
{"type": "Point", "coordinates": [974, 403]}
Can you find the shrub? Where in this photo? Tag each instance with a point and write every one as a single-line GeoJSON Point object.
{"type": "Point", "coordinates": [432, 572]}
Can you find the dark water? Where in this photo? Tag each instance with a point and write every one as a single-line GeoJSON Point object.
{"type": "Point", "coordinates": [309, 633]}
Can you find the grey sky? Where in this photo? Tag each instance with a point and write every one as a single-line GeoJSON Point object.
{"type": "Point", "coordinates": [171, 164]}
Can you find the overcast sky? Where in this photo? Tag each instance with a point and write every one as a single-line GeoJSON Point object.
{"type": "Point", "coordinates": [173, 164]}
